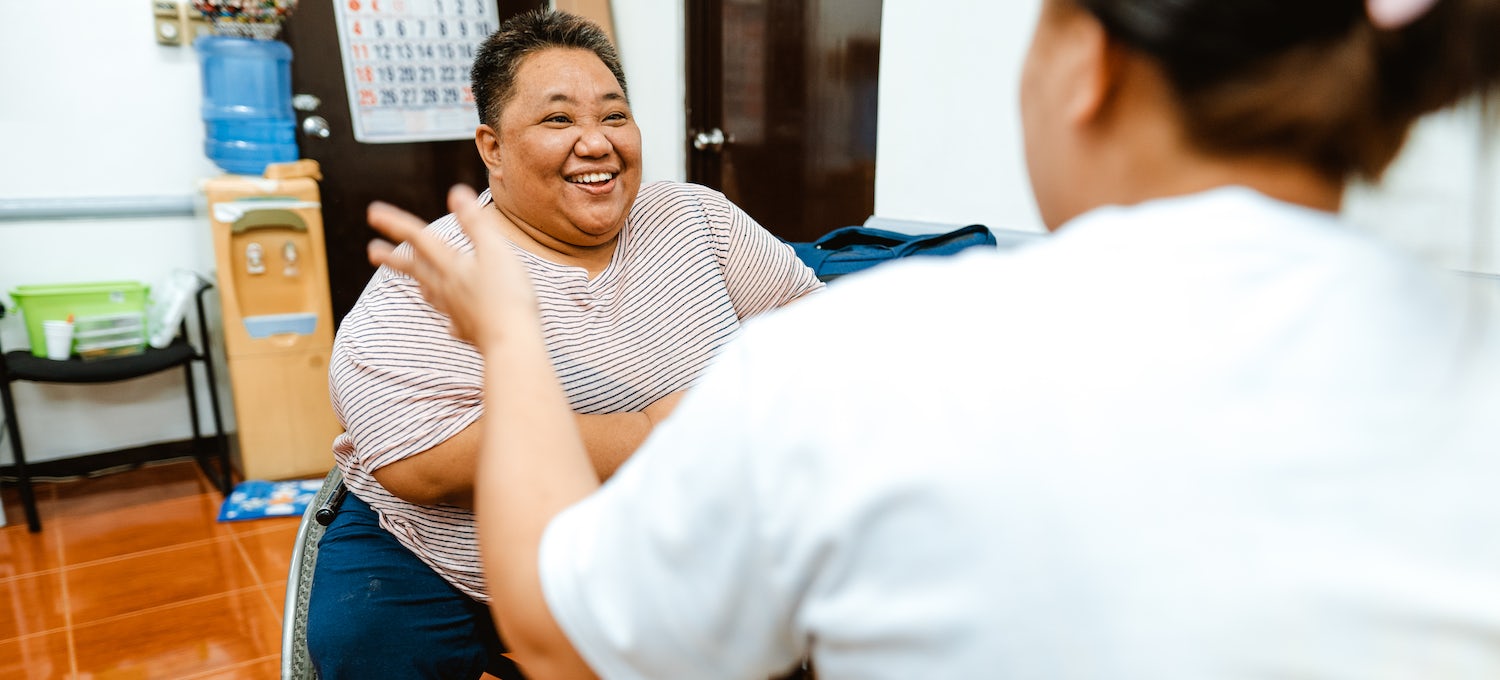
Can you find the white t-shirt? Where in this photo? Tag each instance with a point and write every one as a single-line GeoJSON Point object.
{"type": "Point", "coordinates": [1215, 436]}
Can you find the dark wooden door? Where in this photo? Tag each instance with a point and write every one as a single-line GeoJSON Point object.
{"type": "Point", "coordinates": [415, 176]}
{"type": "Point", "coordinates": [782, 108]}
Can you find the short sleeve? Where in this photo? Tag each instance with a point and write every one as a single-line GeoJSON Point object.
{"type": "Point", "coordinates": [400, 382]}
{"type": "Point", "coordinates": [671, 551]}
{"type": "Point", "coordinates": [761, 271]}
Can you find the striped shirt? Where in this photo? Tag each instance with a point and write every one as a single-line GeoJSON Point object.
{"type": "Point", "coordinates": [689, 266]}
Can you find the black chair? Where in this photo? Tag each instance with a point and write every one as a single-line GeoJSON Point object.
{"type": "Point", "coordinates": [22, 365]}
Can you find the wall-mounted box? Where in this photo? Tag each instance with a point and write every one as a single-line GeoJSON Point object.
{"type": "Point", "coordinates": [177, 23]}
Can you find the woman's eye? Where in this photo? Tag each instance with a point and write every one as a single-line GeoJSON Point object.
{"type": "Point", "coordinates": [615, 116]}
{"type": "Point", "coordinates": [559, 118]}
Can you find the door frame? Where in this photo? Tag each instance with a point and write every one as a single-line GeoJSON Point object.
{"type": "Point", "coordinates": [704, 48]}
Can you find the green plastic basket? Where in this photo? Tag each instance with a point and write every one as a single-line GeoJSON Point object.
{"type": "Point", "coordinates": [59, 301]}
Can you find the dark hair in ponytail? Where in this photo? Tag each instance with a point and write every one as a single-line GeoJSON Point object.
{"type": "Point", "coordinates": [1315, 80]}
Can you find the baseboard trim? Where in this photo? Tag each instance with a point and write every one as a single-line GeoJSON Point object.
{"type": "Point", "coordinates": [98, 464]}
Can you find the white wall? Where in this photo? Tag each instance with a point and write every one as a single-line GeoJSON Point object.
{"type": "Point", "coordinates": [1438, 200]}
{"type": "Point", "coordinates": [96, 108]}
{"type": "Point", "coordinates": [948, 147]}
{"type": "Point", "coordinates": [650, 36]}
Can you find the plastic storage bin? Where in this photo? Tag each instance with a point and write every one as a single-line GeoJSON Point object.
{"type": "Point", "coordinates": [247, 103]}
{"type": "Point", "coordinates": [109, 335]}
{"type": "Point", "coordinates": [80, 301]}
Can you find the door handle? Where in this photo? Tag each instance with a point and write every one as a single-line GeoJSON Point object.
{"type": "Point", "coordinates": [315, 126]}
{"type": "Point", "coordinates": [712, 140]}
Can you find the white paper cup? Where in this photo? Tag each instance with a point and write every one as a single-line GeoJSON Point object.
{"type": "Point", "coordinates": [59, 339]}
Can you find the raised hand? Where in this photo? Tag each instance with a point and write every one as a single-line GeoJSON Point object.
{"type": "Point", "coordinates": [487, 294]}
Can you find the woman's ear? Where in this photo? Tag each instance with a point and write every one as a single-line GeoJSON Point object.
{"type": "Point", "coordinates": [1093, 65]}
{"type": "Point", "coordinates": [487, 141]}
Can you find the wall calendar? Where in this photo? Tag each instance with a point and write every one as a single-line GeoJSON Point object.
{"type": "Point", "coordinates": [406, 66]}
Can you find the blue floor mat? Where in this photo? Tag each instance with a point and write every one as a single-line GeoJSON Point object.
{"type": "Point", "coordinates": [257, 499]}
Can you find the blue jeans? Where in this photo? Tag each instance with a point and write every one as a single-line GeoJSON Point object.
{"type": "Point", "coordinates": [376, 611]}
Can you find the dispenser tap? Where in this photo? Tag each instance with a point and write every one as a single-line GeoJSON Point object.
{"type": "Point", "coordinates": [289, 253]}
{"type": "Point", "coordinates": [255, 262]}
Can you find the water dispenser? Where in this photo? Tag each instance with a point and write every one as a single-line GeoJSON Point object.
{"type": "Point", "coordinates": [278, 319]}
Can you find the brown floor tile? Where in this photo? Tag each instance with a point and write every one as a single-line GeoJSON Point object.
{"type": "Point", "coordinates": [155, 586]}
{"type": "Point", "coordinates": [31, 604]}
{"type": "Point", "coordinates": [15, 515]}
{"type": "Point", "coordinates": [141, 486]}
{"type": "Point", "coordinates": [130, 584]}
{"type": "Point", "coordinates": [136, 528]}
{"type": "Point", "coordinates": [270, 551]}
{"type": "Point", "coordinates": [255, 526]}
{"type": "Point", "coordinates": [22, 552]}
{"type": "Point", "coordinates": [40, 657]}
{"type": "Point", "coordinates": [268, 668]}
{"type": "Point", "coordinates": [276, 595]}
{"type": "Point", "coordinates": [180, 641]}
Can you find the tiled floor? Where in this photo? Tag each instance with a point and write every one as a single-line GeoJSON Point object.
{"type": "Point", "coordinates": [132, 576]}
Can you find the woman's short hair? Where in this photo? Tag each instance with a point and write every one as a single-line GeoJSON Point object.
{"type": "Point", "coordinates": [1315, 81]}
{"type": "Point", "coordinates": [493, 76]}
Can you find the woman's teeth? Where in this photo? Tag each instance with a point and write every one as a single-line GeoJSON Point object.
{"type": "Point", "coordinates": [591, 178]}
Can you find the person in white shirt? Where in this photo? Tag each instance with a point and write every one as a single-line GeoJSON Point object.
{"type": "Point", "coordinates": [1206, 430]}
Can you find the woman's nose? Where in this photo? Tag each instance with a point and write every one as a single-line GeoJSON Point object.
{"type": "Point", "coordinates": [592, 143]}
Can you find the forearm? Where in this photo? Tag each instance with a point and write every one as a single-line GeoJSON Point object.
{"type": "Point", "coordinates": [534, 465]}
{"type": "Point", "coordinates": [441, 475]}
{"type": "Point", "coordinates": [445, 473]}
{"type": "Point", "coordinates": [611, 438]}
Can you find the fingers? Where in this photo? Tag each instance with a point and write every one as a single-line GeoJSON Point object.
{"type": "Point", "coordinates": [473, 295]}
{"type": "Point", "coordinates": [395, 224]}
{"type": "Point", "coordinates": [379, 251]}
{"type": "Point", "coordinates": [401, 226]}
{"type": "Point", "coordinates": [461, 196]}
{"type": "Point", "coordinates": [479, 222]}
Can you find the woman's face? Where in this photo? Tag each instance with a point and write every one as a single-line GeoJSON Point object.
{"type": "Point", "coordinates": [1046, 79]}
{"type": "Point", "coordinates": [569, 150]}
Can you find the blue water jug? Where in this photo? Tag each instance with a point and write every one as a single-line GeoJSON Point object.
{"type": "Point", "coordinates": [247, 103]}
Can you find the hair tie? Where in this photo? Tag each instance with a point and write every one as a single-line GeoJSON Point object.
{"type": "Point", "coordinates": [1393, 14]}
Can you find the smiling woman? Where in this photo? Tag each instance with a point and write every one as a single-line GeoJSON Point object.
{"type": "Point", "coordinates": [564, 158]}
{"type": "Point", "coordinates": [638, 288]}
